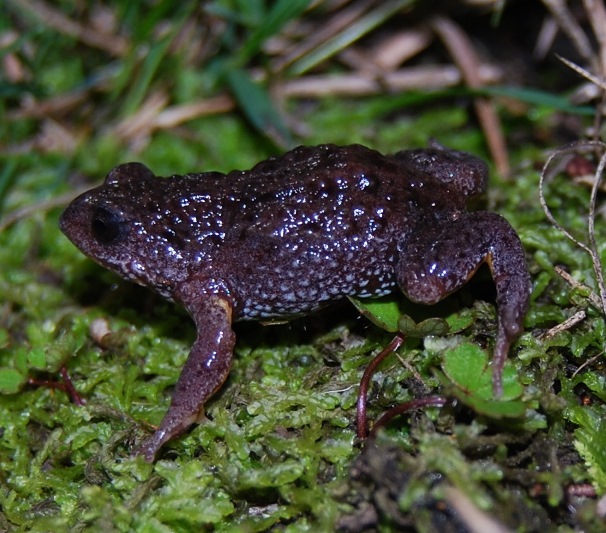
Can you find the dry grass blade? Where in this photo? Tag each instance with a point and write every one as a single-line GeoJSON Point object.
{"type": "Point", "coordinates": [422, 77]}
{"type": "Point", "coordinates": [545, 38]}
{"type": "Point", "coordinates": [595, 254]}
{"type": "Point", "coordinates": [399, 48]}
{"type": "Point", "coordinates": [597, 18]}
{"type": "Point", "coordinates": [178, 114]}
{"type": "Point", "coordinates": [56, 105]}
{"type": "Point", "coordinates": [559, 10]}
{"type": "Point", "coordinates": [40, 207]}
{"type": "Point", "coordinates": [464, 55]}
{"type": "Point", "coordinates": [140, 125]}
{"type": "Point", "coordinates": [113, 44]}
{"type": "Point", "coordinates": [596, 15]}
{"type": "Point", "coordinates": [584, 73]}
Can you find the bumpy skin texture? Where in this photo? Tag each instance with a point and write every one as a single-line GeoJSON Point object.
{"type": "Point", "coordinates": [292, 234]}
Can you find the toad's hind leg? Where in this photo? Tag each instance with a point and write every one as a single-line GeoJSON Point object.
{"type": "Point", "coordinates": [433, 264]}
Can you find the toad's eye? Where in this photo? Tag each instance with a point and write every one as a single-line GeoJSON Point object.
{"type": "Point", "coordinates": [107, 226]}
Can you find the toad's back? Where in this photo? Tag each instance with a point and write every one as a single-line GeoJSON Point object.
{"type": "Point", "coordinates": [320, 223]}
{"type": "Point", "coordinates": [285, 237]}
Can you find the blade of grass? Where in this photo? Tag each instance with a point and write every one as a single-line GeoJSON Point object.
{"type": "Point", "coordinates": [281, 12]}
{"type": "Point", "coordinates": [244, 12]}
{"type": "Point", "coordinates": [8, 177]}
{"type": "Point", "coordinates": [153, 59]}
{"type": "Point", "coordinates": [353, 33]}
{"type": "Point", "coordinates": [537, 97]}
{"type": "Point", "coordinates": [255, 102]}
{"type": "Point", "coordinates": [142, 82]}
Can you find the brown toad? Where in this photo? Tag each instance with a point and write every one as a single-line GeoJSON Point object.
{"type": "Point", "coordinates": [293, 234]}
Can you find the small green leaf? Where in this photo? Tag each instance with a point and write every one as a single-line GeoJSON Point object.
{"type": "Point", "coordinates": [467, 368]}
{"type": "Point", "coordinates": [20, 360]}
{"type": "Point", "coordinates": [36, 359]}
{"type": "Point", "coordinates": [459, 321]}
{"type": "Point", "coordinates": [11, 380]}
{"type": "Point", "coordinates": [429, 326]}
{"type": "Point", "coordinates": [52, 357]}
{"type": "Point", "coordinates": [382, 312]}
{"type": "Point", "coordinates": [395, 313]}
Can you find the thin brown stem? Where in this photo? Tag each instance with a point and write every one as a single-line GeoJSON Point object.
{"type": "Point", "coordinates": [362, 424]}
{"type": "Point", "coordinates": [406, 407]}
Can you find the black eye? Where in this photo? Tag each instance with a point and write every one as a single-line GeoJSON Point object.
{"type": "Point", "coordinates": [107, 226]}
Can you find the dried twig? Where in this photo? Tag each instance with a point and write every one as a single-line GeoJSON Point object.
{"type": "Point", "coordinates": [587, 363]}
{"type": "Point", "coordinates": [571, 321]}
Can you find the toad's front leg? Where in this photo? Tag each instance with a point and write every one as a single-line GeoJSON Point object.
{"type": "Point", "coordinates": [207, 366]}
{"type": "Point", "coordinates": [440, 259]}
